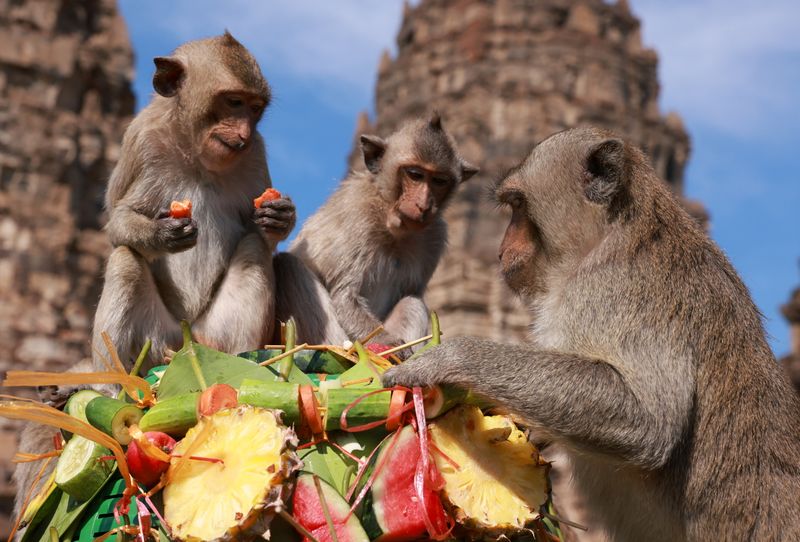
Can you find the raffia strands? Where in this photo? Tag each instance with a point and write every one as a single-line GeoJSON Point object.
{"type": "Point", "coordinates": [39, 413]}
{"type": "Point", "coordinates": [131, 384]}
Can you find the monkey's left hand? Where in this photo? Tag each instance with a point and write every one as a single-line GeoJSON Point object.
{"type": "Point", "coordinates": [276, 218]}
{"type": "Point", "coordinates": [450, 363]}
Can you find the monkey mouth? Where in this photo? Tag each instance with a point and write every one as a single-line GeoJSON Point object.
{"type": "Point", "coordinates": [412, 223]}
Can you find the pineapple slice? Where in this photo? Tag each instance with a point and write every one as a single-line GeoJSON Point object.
{"type": "Point", "coordinates": [494, 480]}
{"type": "Point", "coordinates": [235, 499]}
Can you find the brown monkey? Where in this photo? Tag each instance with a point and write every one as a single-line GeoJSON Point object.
{"type": "Point", "coordinates": [648, 363]}
{"type": "Point", "coordinates": [365, 258]}
{"type": "Point", "coordinates": [196, 140]}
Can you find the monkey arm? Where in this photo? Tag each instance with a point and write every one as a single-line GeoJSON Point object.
{"type": "Point", "coordinates": [149, 236]}
{"type": "Point", "coordinates": [355, 316]}
{"type": "Point", "coordinates": [585, 401]}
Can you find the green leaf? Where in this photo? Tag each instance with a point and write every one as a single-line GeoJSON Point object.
{"type": "Point", "coordinates": [365, 368]}
{"type": "Point", "coordinates": [335, 467]}
{"type": "Point", "coordinates": [308, 361]}
{"type": "Point", "coordinates": [66, 513]}
{"type": "Point", "coordinates": [214, 366]}
{"type": "Point", "coordinates": [37, 528]}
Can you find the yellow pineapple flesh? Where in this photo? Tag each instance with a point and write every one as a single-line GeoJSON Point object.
{"type": "Point", "coordinates": [494, 479]}
{"type": "Point", "coordinates": [236, 498]}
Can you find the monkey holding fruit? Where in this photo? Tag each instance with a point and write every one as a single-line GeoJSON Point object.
{"type": "Point", "coordinates": [208, 260]}
{"type": "Point", "coordinates": [197, 140]}
{"type": "Point", "coordinates": [648, 365]}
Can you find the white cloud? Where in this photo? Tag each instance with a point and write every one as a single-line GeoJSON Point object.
{"type": "Point", "coordinates": [336, 42]}
{"type": "Point", "coordinates": [731, 64]}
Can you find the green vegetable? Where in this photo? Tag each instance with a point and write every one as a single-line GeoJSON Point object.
{"type": "Point", "coordinates": [113, 417]}
{"type": "Point", "coordinates": [80, 471]}
{"type": "Point", "coordinates": [76, 407]}
{"type": "Point", "coordinates": [173, 416]}
{"type": "Point", "coordinates": [277, 395]}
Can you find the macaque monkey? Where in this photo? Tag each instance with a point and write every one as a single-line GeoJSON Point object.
{"type": "Point", "coordinates": [648, 367]}
{"type": "Point", "coordinates": [365, 258]}
{"type": "Point", "coordinates": [196, 140]}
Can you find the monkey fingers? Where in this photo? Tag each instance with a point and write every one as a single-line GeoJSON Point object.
{"type": "Point", "coordinates": [283, 204]}
{"type": "Point", "coordinates": [440, 365]}
{"type": "Point", "coordinates": [177, 234]}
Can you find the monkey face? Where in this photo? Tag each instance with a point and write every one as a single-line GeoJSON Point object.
{"type": "Point", "coordinates": [423, 191]}
{"type": "Point", "coordinates": [230, 136]}
{"type": "Point", "coordinates": [521, 252]}
{"type": "Point", "coordinates": [563, 199]}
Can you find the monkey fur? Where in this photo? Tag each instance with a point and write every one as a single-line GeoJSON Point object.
{"type": "Point", "coordinates": [196, 140]}
{"type": "Point", "coordinates": [648, 367]}
{"type": "Point", "coordinates": [365, 257]}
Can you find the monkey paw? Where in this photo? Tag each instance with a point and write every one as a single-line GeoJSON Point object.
{"type": "Point", "coordinates": [445, 364]}
{"type": "Point", "coordinates": [56, 396]}
{"type": "Point", "coordinates": [175, 234]}
{"type": "Point", "coordinates": [276, 218]}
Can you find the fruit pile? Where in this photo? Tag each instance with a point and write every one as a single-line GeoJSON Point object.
{"type": "Point", "coordinates": [291, 442]}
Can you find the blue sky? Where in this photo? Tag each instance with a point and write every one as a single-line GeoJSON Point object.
{"type": "Point", "coordinates": [731, 68]}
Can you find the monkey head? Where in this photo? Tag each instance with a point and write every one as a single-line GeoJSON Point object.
{"type": "Point", "coordinates": [564, 197]}
{"type": "Point", "coordinates": [215, 89]}
{"type": "Point", "coordinates": [416, 171]}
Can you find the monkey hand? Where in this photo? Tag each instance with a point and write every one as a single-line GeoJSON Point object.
{"type": "Point", "coordinates": [276, 218]}
{"type": "Point", "coordinates": [449, 363]}
{"type": "Point", "coordinates": [175, 234]}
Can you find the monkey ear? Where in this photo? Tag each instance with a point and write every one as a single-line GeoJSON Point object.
{"type": "Point", "coordinates": [435, 121]}
{"type": "Point", "coordinates": [373, 148]}
{"type": "Point", "coordinates": [606, 171]}
{"type": "Point", "coordinates": [468, 170]}
{"type": "Point", "coordinates": [169, 76]}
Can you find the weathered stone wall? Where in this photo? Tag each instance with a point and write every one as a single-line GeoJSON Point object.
{"type": "Point", "coordinates": [791, 362]}
{"type": "Point", "coordinates": [65, 98]}
{"type": "Point", "coordinates": [505, 74]}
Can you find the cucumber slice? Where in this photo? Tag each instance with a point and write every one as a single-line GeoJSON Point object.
{"type": "Point", "coordinates": [80, 472]}
{"type": "Point", "coordinates": [113, 417]}
{"type": "Point", "coordinates": [173, 416]}
{"type": "Point", "coordinates": [76, 407]}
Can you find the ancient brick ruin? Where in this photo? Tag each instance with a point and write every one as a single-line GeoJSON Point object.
{"type": "Point", "coordinates": [505, 74]}
{"type": "Point", "coordinates": [791, 362]}
{"type": "Point", "coordinates": [65, 98]}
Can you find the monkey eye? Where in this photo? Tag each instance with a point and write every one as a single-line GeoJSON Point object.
{"type": "Point", "coordinates": [441, 181]}
{"type": "Point", "coordinates": [514, 201]}
{"type": "Point", "coordinates": [234, 102]}
{"type": "Point", "coordinates": [414, 174]}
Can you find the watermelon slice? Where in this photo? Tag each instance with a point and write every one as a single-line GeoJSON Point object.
{"type": "Point", "coordinates": [391, 510]}
{"type": "Point", "coordinates": [307, 510]}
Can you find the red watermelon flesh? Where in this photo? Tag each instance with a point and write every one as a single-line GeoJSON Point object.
{"type": "Point", "coordinates": [307, 510]}
{"type": "Point", "coordinates": [395, 506]}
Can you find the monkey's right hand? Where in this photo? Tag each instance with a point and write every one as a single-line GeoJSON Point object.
{"type": "Point", "coordinates": [276, 218]}
{"type": "Point", "coordinates": [175, 234]}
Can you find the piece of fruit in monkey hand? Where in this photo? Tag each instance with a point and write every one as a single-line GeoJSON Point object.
{"type": "Point", "coordinates": [269, 194]}
{"type": "Point", "coordinates": [180, 209]}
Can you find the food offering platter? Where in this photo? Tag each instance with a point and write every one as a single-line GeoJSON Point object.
{"type": "Point", "coordinates": [289, 442]}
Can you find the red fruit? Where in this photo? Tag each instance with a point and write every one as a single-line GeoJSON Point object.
{"type": "Point", "coordinates": [377, 348]}
{"type": "Point", "coordinates": [268, 195]}
{"type": "Point", "coordinates": [216, 397]}
{"type": "Point", "coordinates": [145, 468]}
{"type": "Point", "coordinates": [180, 209]}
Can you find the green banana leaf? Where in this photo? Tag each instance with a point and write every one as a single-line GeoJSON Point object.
{"type": "Point", "coordinates": [309, 361]}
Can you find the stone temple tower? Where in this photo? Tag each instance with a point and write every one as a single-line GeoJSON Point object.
{"type": "Point", "coordinates": [505, 74]}
{"type": "Point", "coordinates": [66, 69]}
